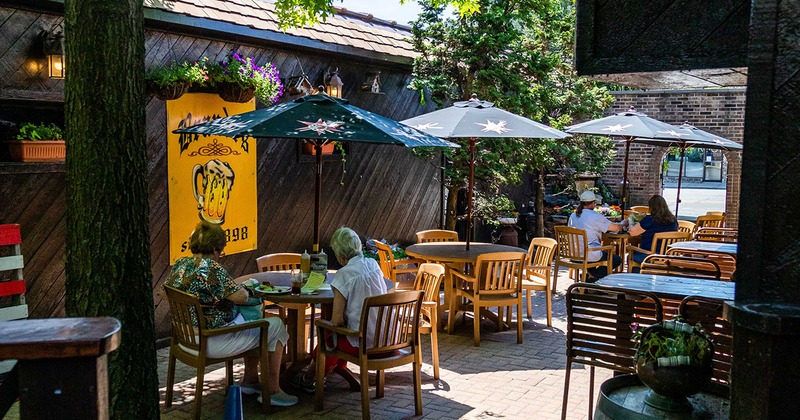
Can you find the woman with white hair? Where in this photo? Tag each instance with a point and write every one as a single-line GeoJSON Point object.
{"type": "Point", "coordinates": [358, 279]}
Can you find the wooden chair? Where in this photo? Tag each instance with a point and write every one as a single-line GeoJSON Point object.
{"type": "Point", "coordinates": [437, 235]}
{"type": "Point", "coordinates": [278, 262]}
{"type": "Point", "coordinates": [598, 329]}
{"type": "Point", "coordinates": [708, 313]}
{"type": "Point", "coordinates": [677, 265]}
{"type": "Point", "coordinates": [496, 282]}
{"type": "Point", "coordinates": [536, 276]}
{"type": "Point", "coordinates": [189, 345]}
{"type": "Point", "coordinates": [660, 245]}
{"type": "Point", "coordinates": [395, 343]}
{"type": "Point", "coordinates": [429, 279]}
{"type": "Point", "coordinates": [686, 226]}
{"type": "Point", "coordinates": [571, 252]}
{"type": "Point", "coordinates": [710, 220]}
{"type": "Point", "coordinates": [391, 267]}
{"type": "Point", "coordinates": [641, 209]}
{"type": "Point", "coordinates": [725, 262]}
{"type": "Point", "coordinates": [708, 234]}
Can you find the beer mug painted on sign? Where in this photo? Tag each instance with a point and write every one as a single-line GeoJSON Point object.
{"type": "Point", "coordinates": [212, 190]}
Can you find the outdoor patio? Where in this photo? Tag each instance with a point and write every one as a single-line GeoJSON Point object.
{"type": "Point", "coordinates": [498, 379]}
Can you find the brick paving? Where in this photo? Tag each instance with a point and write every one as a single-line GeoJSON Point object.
{"type": "Point", "coordinates": [499, 379]}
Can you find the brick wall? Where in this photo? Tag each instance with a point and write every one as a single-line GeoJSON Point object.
{"type": "Point", "coordinates": [719, 111]}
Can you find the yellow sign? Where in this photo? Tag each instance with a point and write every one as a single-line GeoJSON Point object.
{"type": "Point", "coordinates": [211, 178]}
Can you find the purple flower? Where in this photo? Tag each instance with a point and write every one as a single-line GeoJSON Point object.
{"type": "Point", "coordinates": [634, 326]}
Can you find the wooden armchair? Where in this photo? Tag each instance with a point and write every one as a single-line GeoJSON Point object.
{"type": "Point", "coordinates": [429, 279]}
{"type": "Point", "coordinates": [686, 226]}
{"type": "Point", "coordinates": [660, 245]}
{"type": "Point", "coordinates": [496, 282]}
{"type": "Point", "coordinates": [710, 220]}
{"type": "Point", "coordinates": [598, 329]}
{"type": "Point", "coordinates": [189, 345]}
{"type": "Point", "coordinates": [641, 209]}
{"type": "Point", "coordinates": [708, 234]}
{"type": "Point", "coordinates": [437, 235]}
{"type": "Point", "coordinates": [572, 251]}
{"type": "Point", "coordinates": [278, 262]}
{"type": "Point", "coordinates": [395, 342]}
{"type": "Point", "coordinates": [537, 273]}
{"type": "Point", "coordinates": [391, 267]}
{"type": "Point", "coordinates": [725, 262]}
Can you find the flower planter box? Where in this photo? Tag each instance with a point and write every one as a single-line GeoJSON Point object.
{"type": "Point", "coordinates": [308, 149]}
{"type": "Point", "coordinates": [37, 150]}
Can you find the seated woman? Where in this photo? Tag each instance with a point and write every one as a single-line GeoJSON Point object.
{"type": "Point", "coordinates": [203, 276]}
{"type": "Point", "coordinates": [595, 224]}
{"type": "Point", "coordinates": [660, 219]}
{"type": "Point", "coordinates": [358, 279]}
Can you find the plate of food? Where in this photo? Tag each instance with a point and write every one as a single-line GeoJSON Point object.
{"type": "Point", "coordinates": [269, 289]}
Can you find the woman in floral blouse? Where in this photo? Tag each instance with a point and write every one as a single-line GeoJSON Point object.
{"type": "Point", "coordinates": [203, 276]}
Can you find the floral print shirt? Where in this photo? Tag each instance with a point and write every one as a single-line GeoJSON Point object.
{"type": "Point", "coordinates": [209, 281]}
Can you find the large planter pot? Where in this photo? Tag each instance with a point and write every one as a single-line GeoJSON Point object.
{"type": "Point", "coordinates": [232, 92]}
{"type": "Point", "coordinates": [37, 150]}
{"type": "Point", "coordinates": [169, 92]}
{"type": "Point", "coordinates": [671, 385]}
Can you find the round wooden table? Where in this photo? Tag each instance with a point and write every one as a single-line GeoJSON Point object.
{"type": "Point", "coordinates": [454, 252]}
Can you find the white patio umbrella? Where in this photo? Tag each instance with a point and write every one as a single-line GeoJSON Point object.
{"type": "Point", "coordinates": [473, 119]}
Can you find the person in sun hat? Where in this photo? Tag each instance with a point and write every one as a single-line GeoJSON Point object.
{"type": "Point", "coordinates": [595, 224]}
{"type": "Point", "coordinates": [202, 276]}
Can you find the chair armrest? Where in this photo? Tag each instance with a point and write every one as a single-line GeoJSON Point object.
{"type": "Point", "coordinates": [637, 249]}
{"type": "Point", "coordinates": [261, 323]}
{"type": "Point", "coordinates": [465, 277]}
{"type": "Point", "coordinates": [409, 261]}
{"type": "Point", "coordinates": [537, 267]}
{"type": "Point", "coordinates": [609, 248]}
{"type": "Point", "coordinates": [324, 324]}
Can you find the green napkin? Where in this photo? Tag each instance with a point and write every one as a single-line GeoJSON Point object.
{"type": "Point", "coordinates": [315, 280]}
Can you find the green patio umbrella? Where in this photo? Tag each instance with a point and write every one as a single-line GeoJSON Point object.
{"type": "Point", "coordinates": [318, 119]}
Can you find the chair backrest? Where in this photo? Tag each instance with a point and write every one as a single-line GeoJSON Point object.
{"type": "Point", "coordinates": [599, 324]}
{"type": "Point", "coordinates": [278, 262]}
{"type": "Point", "coordinates": [641, 209]}
{"type": "Point", "coordinates": [385, 259]}
{"type": "Point", "coordinates": [396, 322]}
{"type": "Point", "coordinates": [499, 272]}
{"type": "Point", "coordinates": [714, 220]}
{"type": "Point", "coordinates": [429, 278]}
{"type": "Point", "coordinates": [686, 226]}
{"type": "Point", "coordinates": [725, 262]}
{"type": "Point", "coordinates": [540, 254]}
{"type": "Point", "coordinates": [709, 234]}
{"type": "Point", "coordinates": [572, 243]}
{"type": "Point", "coordinates": [662, 240]}
{"type": "Point", "coordinates": [708, 313]}
{"type": "Point", "coordinates": [437, 235]}
{"type": "Point", "coordinates": [715, 213]}
{"type": "Point", "coordinates": [680, 266]}
{"type": "Point", "coordinates": [183, 307]}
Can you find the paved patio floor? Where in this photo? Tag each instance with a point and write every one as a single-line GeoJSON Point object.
{"type": "Point", "coordinates": [499, 379]}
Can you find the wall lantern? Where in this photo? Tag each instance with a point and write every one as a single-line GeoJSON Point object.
{"type": "Point", "coordinates": [372, 83]}
{"type": "Point", "coordinates": [333, 84]}
{"type": "Point", "coordinates": [53, 45]}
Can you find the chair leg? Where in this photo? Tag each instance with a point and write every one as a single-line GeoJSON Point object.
{"type": "Point", "coordinates": [228, 374]}
{"type": "Point", "coordinates": [435, 344]}
{"type": "Point", "coordinates": [476, 325]}
{"type": "Point", "coordinates": [364, 376]}
{"type": "Point", "coordinates": [591, 390]}
{"type": "Point", "coordinates": [549, 300]}
{"type": "Point", "coordinates": [555, 277]}
{"type": "Point", "coordinates": [528, 303]}
{"type": "Point", "coordinates": [198, 390]}
{"type": "Point", "coordinates": [380, 379]}
{"type": "Point", "coordinates": [417, 380]}
{"type": "Point", "coordinates": [319, 377]}
{"type": "Point", "coordinates": [519, 319]}
{"type": "Point", "coordinates": [170, 381]}
{"type": "Point", "coordinates": [451, 316]}
{"type": "Point", "coordinates": [566, 392]}
{"type": "Point", "coordinates": [263, 367]}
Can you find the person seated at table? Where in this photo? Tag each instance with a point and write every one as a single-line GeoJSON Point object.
{"type": "Point", "coordinates": [358, 279]}
{"type": "Point", "coordinates": [659, 220]}
{"type": "Point", "coordinates": [203, 276]}
{"type": "Point", "coordinates": [595, 224]}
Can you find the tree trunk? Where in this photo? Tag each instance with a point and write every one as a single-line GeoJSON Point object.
{"type": "Point", "coordinates": [540, 202]}
{"type": "Point", "coordinates": [452, 201]}
{"type": "Point", "coordinates": [108, 256]}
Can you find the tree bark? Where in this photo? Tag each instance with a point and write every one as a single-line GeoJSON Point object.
{"type": "Point", "coordinates": [452, 201]}
{"type": "Point", "coordinates": [540, 202]}
{"type": "Point", "coordinates": [108, 255]}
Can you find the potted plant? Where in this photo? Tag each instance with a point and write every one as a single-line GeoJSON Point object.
{"type": "Point", "coordinates": [38, 143]}
{"type": "Point", "coordinates": [673, 359]}
{"type": "Point", "coordinates": [238, 79]}
{"type": "Point", "coordinates": [172, 81]}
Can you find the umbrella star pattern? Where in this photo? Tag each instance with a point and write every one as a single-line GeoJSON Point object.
{"type": "Point", "coordinates": [321, 127]}
{"type": "Point", "coordinates": [674, 133]}
{"type": "Point", "coordinates": [498, 127]}
{"type": "Point", "coordinates": [616, 128]}
{"type": "Point", "coordinates": [428, 126]}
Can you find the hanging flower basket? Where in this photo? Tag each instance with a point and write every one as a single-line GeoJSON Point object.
{"type": "Point", "coordinates": [168, 92]}
{"type": "Point", "coordinates": [232, 92]}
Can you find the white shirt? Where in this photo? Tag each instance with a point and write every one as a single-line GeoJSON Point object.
{"type": "Point", "coordinates": [359, 279]}
{"type": "Point", "coordinates": [594, 224]}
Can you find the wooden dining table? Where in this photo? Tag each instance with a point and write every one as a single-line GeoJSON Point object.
{"type": "Point", "coordinates": [620, 241]}
{"type": "Point", "coordinates": [670, 287]}
{"type": "Point", "coordinates": [718, 247]}
{"type": "Point", "coordinates": [454, 253]}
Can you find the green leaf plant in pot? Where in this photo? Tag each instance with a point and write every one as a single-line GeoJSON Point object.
{"type": "Point", "coordinates": [673, 359]}
{"type": "Point", "coordinates": [38, 143]}
{"type": "Point", "coordinates": [173, 80]}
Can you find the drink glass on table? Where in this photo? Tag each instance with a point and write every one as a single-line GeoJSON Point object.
{"type": "Point", "coordinates": [297, 281]}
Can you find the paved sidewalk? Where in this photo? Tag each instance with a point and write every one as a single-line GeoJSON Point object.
{"type": "Point", "coordinates": [499, 379]}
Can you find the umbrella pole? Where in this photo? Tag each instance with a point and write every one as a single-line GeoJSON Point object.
{"type": "Point", "coordinates": [317, 193]}
{"type": "Point", "coordinates": [441, 191]}
{"type": "Point", "coordinates": [471, 185]}
{"type": "Point", "coordinates": [628, 141]}
{"type": "Point", "coordinates": [680, 176]}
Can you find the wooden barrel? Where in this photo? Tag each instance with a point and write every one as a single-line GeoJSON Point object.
{"type": "Point", "coordinates": [622, 397]}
